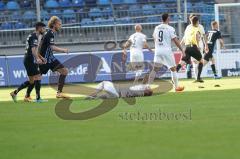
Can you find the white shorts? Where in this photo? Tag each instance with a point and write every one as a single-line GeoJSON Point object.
{"type": "Point", "coordinates": [108, 87]}
{"type": "Point", "coordinates": [136, 56]}
{"type": "Point", "coordinates": [165, 57]}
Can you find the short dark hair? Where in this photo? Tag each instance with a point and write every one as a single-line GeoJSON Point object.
{"type": "Point", "coordinates": [39, 24]}
{"type": "Point", "coordinates": [195, 20]}
{"type": "Point", "coordinates": [165, 17]}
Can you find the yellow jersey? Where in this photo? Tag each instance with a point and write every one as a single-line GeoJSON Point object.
{"type": "Point", "coordinates": [192, 36]}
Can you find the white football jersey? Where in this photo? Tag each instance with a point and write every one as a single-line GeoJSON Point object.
{"type": "Point", "coordinates": [137, 42]}
{"type": "Point", "coordinates": [163, 35]}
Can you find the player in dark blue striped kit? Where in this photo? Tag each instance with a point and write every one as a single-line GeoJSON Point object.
{"type": "Point", "coordinates": [31, 61]}
{"type": "Point", "coordinates": [213, 36]}
{"type": "Point", "coordinates": [46, 48]}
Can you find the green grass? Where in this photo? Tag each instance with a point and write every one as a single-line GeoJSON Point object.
{"type": "Point", "coordinates": [30, 130]}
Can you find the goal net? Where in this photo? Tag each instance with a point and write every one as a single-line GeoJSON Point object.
{"type": "Point", "coordinates": [228, 60]}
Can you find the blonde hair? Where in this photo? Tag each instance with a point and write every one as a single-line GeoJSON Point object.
{"type": "Point", "coordinates": [52, 21]}
{"type": "Point", "coordinates": [214, 23]}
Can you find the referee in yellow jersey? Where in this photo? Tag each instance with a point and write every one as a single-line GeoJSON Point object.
{"type": "Point", "coordinates": [191, 40]}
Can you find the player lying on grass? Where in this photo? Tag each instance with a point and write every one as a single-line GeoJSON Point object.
{"type": "Point", "coordinates": [31, 61]}
{"type": "Point", "coordinates": [213, 36]}
{"type": "Point", "coordinates": [116, 91]}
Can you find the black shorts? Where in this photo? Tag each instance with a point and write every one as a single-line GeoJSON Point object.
{"type": "Point", "coordinates": [53, 66]}
{"type": "Point", "coordinates": [31, 67]}
{"type": "Point", "coordinates": [209, 55]}
{"type": "Point", "coordinates": [192, 51]}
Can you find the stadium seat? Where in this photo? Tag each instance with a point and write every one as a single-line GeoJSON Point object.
{"type": "Point", "coordinates": [103, 2]}
{"type": "Point", "coordinates": [12, 5]}
{"type": "Point", "coordinates": [148, 9]}
{"type": "Point", "coordinates": [51, 4]}
{"type": "Point", "coordinates": [26, 4]}
{"type": "Point", "coordinates": [2, 6]}
{"type": "Point", "coordinates": [19, 25]}
{"type": "Point", "coordinates": [117, 1]}
{"type": "Point", "coordinates": [86, 22]}
{"type": "Point", "coordinates": [98, 21]}
{"type": "Point", "coordinates": [16, 15]}
{"type": "Point", "coordinates": [90, 3]}
{"type": "Point", "coordinates": [95, 12]}
{"type": "Point", "coordinates": [135, 10]}
{"type": "Point", "coordinates": [78, 3]}
{"type": "Point", "coordinates": [69, 14]}
{"type": "Point", "coordinates": [109, 21]}
{"type": "Point", "coordinates": [29, 15]}
{"type": "Point", "coordinates": [130, 2]}
{"type": "Point", "coordinates": [153, 19]}
{"type": "Point", "coordinates": [44, 15]}
{"type": "Point", "coordinates": [124, 20]}
{"type": "Point", "coordinates": [65, 3]}
{"type": "Point", "coordinates": [6, 26]}
{"type": "Point", "coordinates": [107, 11]}
{"type": "Point", "coordinates": [55, 12]}
{"type": "Point", "coordinates": [160, 8]}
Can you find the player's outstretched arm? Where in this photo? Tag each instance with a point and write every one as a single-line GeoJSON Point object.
{"type": "Point", "coordinates": [177, 43]}
{"type": "Point", "coordinates": [58, 49]}
{"type": "Point", "coordinates": [35, 55]}
{"type": "Point", "coordinates": [205, 43]}
{"type": "Point", "coordinates": [127, 44]}
{"type": "Point", "coordinates": [147, 47]}
{"type": "Point", "coordinates": [222, 43]}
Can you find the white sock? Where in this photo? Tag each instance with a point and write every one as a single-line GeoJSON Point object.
{"type": "Point", "coordinates": [152, 76]}
{"type": "Point", "coordinates": [138, 76]}
{"type": "Point", "coordinates": [175, 79]}
{"type": "Point", "coordinates": [195, 68]}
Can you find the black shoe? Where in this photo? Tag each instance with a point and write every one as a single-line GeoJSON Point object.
{"type": "Point", "coordinates": [199, 81]}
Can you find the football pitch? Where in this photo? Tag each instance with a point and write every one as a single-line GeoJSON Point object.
{"type": "Point", "coordinates": [202, 122]}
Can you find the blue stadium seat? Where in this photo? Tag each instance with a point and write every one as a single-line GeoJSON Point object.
{"type": "Point", "coordinates": [98, 21]}
{"type": "Point", "coordinates": [148, 9]}
{"type": "Point", "coordinates": [2, 6]}
{"type": "Point", "coordinates": [65, 3]}
{"type": "Point", "coordinates": [117, 1]}
{"type": "Point", "coordinates": [160, 8]}
{"type": "Point", "coordinates": [44, 15]}
{"type": "Point", "coordinates": [55, 12]}
{"type": "Point", "coordinates": [29, 15]}
{"type": "Point", "coordinates": [77, 3]}
{"type": "Point", "coordinates": [95, 12]}
{"type": "Point", "coordinates": [16, 15]}
{"type": "Point", "coordinates": [109, 21]}
{"type": "Point", "coordinates": [51, 4]}
{"type": "Point", "coordinates": [26, 4]}
{"type": "Point", "coordinates": [69, 14]}
{"type": "Point", "coordinates": [12, 5]}
{"type": "Point", "coordinates": [103, 2]}
{"type": "Point", "coordinates": [153, 19]}
{"type": "Point", "coordinates": [130, 2]}
{"type": "Point", "coordinates": [124, 20]}
{"type": "Point", "coordinates": [6, 26]}
{"type": "Point", "coordinates": [107, 11]}
{"type": "Point", "coordinates": [135, 10]}
{"type": "Point", "coordinates": [19, 25]}
{"type": "Point", "coordinates": [86, 22]}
